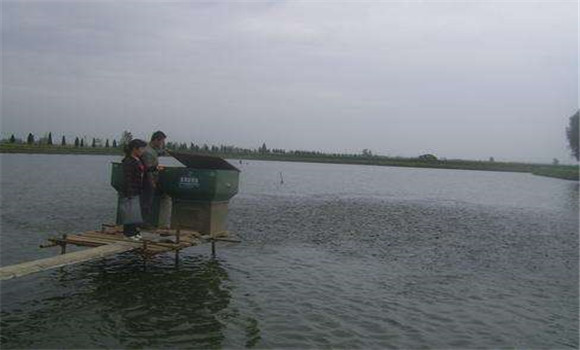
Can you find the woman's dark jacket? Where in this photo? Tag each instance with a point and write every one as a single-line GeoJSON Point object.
{"type": "Point", "coordinates": [133, 170]}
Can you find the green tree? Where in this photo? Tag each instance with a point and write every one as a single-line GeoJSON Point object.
{"type": "Point", "coordinates": [77, 142]}
{"type": "Point", "coordinates": [126, 137]}
{"type": "Point", "coordinates": [107, 144]}
{"type": "Point", "coordinates": [63, 141]}
{"type": "Point", "coordinates": [94, 143]}
{"type": "Point", "coordinates": [82, 142]}
{"type": "Point", "coordinates": [30, 139]}
{"type": "Point", "coordinates": [263, 149]}
{"type": "Point", "coordinates": [114, 143]}
{"type": "Point", "coordinates": [12, 139]}
{"type": "Point", "coordinates": [428, 157]}
{"type": "Point", "coordinates": [572, 134]}
{"type": "Point", "coordinates": [49, 142]}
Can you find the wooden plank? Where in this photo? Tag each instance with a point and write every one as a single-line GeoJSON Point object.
{"type": "Point", "coordinates": [81, 241]}
{"type": "Point", "coordinates": [94, 237]}
{"type": "Point", "coordinates": [173, 232]}
{"type": "Point", "coordinates": [230, 240]}
{"type": "Point", "coordinates": [90, 236]}
{"type": "Point", "coordinates": [18, 270]}
{"type": "Point", "coordinates": [187, 241]}
{"type": "Point", "coordinates": [152, 247]}
{"type": "Point", "coordinates": [97, 238]}
{"type": "Point", "coordinates": [151, 244]}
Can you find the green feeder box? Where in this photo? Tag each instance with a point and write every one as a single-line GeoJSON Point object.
{"type": "Point", "coordinates": [200, 192]}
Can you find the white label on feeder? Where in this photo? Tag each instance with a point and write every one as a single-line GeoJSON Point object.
{"type": "Point", "coordinates": [188, 182]}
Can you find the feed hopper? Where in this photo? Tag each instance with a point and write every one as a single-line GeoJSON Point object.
{"type": "Point", "coordinates": [200, 191]}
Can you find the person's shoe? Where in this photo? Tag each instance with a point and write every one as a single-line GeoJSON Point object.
{"type": "Point", "coordinates": [136, 237]}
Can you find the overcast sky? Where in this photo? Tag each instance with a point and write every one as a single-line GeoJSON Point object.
{"type": "Point", "coordinates": [458, 79]}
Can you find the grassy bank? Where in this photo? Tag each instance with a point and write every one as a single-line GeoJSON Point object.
{"type": "Point", "coordinates": [567, 172]}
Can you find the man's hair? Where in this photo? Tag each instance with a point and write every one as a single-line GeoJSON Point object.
{"type": "Point", "coordinates": [158, 135]}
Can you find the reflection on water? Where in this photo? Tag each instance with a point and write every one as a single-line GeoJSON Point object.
{"type": "Point", "coordinates": [572, 194]}
{"type": "Point", "coordinates": [157, 307]}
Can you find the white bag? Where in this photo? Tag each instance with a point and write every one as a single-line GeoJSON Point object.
{"type": "Point", "coordinates": [130, 210]}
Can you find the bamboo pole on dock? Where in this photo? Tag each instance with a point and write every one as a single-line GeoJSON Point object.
{"type": "Point", "coordinates": [18, 270]}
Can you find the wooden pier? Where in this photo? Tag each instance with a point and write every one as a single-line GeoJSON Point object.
{"type": "Point", "coordinates": [110, 241]}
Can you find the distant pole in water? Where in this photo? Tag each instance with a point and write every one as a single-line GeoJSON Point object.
{"type": "Point", "coordinates": [281, 179]}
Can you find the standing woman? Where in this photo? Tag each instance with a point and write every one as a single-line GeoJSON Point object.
{"type": "Point", "coordinates": [130, 206]}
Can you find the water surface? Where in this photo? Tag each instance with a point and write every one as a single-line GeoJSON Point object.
{"type": "Point", "coordinates": [338, 256]}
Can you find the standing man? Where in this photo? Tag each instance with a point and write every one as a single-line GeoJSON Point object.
{"type": "Point", "coordinates": [152, 196]}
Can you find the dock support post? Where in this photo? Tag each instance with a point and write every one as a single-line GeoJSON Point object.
{"type": "Point", "coordinates": [178, 241]}
{"type": "Point", "coordinates": [213, 248]}
{"type": "Point", "coordinates": [63, 244]}
{"type": "Point", "coordinates": [144, 255]}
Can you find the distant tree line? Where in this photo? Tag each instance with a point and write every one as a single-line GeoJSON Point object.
{"type": "Point", "coordinates": [47, 140]}
{"type": "Point", "coordinates": [263, 150]}
{"type": "Point", "coordinates": [224, 150]}
{"type": "Point", "coordinates": [126, 136]}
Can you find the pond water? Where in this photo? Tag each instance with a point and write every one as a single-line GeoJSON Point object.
{"type": "Point", "coordinates": [338, 256]}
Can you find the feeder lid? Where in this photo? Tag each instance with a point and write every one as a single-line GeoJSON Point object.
{"type": "Point", "coordinates": [198, 161]}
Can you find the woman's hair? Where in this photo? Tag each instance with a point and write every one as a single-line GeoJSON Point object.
{"type": "Point", "coordinates": [136, 143]}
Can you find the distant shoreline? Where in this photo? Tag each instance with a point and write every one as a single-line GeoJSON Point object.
{"type": "Point", "coordinates": [566, 172]}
